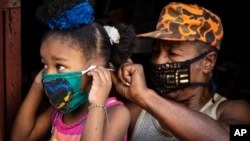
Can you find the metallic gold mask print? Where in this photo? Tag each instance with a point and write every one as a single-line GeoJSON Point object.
{"type": "Point", "coordinates": [169, 77]}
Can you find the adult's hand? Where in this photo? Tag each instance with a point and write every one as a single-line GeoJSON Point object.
{"type": "Point", "coordinates": [131, 83]}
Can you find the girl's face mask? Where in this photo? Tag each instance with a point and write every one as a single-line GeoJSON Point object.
{"type": "Point", "coordinates": [64, 89]}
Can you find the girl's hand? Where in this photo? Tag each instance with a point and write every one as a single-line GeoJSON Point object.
{"type": "Point", "coordinates": [37, 83]}
{"type": "Point", "coordinates": [101, 85]}
{"type": "Point", "coordinates": [38, 78]}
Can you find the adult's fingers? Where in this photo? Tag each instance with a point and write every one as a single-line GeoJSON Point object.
{"type": "Point", "coordinates": [123, 72]}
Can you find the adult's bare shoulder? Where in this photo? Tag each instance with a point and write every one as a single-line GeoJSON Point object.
{"type": "Point", "coordinates": [234, 112]}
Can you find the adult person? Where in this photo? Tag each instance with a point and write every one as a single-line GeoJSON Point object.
{"type": "Point", "coordinates": [183, 103]}
{"type": "Point", "coordinates": [76, 78]}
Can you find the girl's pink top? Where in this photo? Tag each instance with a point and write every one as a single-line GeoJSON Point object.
{"type": "Point", "coordinates": [72, 132]}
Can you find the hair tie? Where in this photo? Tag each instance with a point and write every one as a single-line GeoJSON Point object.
{"type": "Point", "coordinates": [113, 34]}
{"type": "Point", "coordinates": [81, 13]}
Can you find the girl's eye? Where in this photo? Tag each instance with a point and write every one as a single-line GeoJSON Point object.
{"type": "Point", "coordinates": [60, 67]}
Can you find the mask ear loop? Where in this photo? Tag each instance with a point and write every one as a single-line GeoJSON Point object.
{"type": "Point", "coordinates": [89, 69]}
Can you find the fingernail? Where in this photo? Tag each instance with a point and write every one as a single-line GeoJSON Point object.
{"type": "Point", "coordinates": [127, 84]}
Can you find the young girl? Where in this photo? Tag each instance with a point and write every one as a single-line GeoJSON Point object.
{"type": "Point", "coordinates": [78, 55]}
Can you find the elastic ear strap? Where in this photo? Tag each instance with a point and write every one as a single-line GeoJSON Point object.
{"type": "Point", "coordinates": [89, 69]}
{"type": "Point", "coordinates": [199, 57]}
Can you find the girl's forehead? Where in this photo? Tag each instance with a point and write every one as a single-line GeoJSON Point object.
{"type": "Point", "coordinates": [63, 39]}
{"type": "Point", "coordinates": [61, 48]}
{"type": "Point", "coordinates": [62, 42]}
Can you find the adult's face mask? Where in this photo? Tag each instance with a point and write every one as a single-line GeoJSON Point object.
{"type": "Point", "coordinates": [64, 90]}
{"type": "Point", "coordinates": [170, 77]}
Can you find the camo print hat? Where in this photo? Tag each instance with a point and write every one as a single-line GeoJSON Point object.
{"type": "Point", "coordinates": [188, 22]}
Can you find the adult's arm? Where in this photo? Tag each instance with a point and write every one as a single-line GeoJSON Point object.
{"type": "Point", "coordinates": [183, 122]}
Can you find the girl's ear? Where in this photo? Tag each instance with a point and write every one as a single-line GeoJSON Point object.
{"type": "Point", "coordinates": [209, 62]}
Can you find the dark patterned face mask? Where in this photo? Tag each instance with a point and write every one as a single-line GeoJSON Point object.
{"type": "Point", "coordinates": [169, 77]}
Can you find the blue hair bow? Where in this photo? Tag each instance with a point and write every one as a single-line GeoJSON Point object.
{"type": "Point", "coordinates": [80, 14]}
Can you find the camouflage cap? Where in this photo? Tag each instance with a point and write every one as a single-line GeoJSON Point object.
{"type": "Point", "coordinates": [188, 22]}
